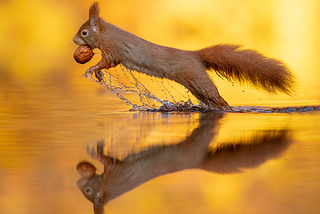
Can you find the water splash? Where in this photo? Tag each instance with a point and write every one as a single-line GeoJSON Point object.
{"type": "Point", "coordinates": [130, 84]}
{"type": "Point", "coordinates": [112, 83]}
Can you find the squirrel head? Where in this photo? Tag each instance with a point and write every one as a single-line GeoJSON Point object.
{"type": "Point", "coordinates": [89, 32]}
{"type": "Point", "coordinates": [91, 186]}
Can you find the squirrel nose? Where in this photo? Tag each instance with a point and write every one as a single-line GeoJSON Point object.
{"type": "Point", "coordinates": [78, 40]}
{"type": "Point", "coordinates": [74, 39]}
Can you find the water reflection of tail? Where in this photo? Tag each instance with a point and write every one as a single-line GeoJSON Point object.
{"type": "Point", "coordinates": [193, 153]}
{"type": "Point", "coordinates": [232, 157]}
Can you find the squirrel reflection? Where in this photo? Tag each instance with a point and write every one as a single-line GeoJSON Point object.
{"type": "Point", "coordinates": [193, 153]}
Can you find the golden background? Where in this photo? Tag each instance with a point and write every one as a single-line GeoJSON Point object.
{"type": "Point", "coordinates": [48, 112]}
{"type": "Point", "coordinates": [36, 37]}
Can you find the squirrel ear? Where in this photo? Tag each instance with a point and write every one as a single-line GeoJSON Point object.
{"type": "Point", "coordinates": [93, 16]}
{"type": "Point", "coordinates": [93, 21]}
{"type": "Point", "coordinates": [86, 170]}
{"type": "Point", "coordinates": [94, 10]}
{"type": "Point", "coordinates": [98, 203]}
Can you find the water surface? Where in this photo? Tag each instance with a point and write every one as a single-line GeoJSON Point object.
{"type": "Point", "coordinates": [46, 125]}
{"type": "Point", "coordinates": [49, 113]}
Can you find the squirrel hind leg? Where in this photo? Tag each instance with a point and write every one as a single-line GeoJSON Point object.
{"type": "Point", "coordinates": [206, 91]}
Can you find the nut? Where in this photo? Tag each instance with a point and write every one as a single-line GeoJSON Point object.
{"type": "Point", "coordinates": [83, 54]}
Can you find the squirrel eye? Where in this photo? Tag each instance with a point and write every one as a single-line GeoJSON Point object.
{"type": "Point", "coordinates": [84, 33]}
{"type": "Point", "coordinates": [88, 191]}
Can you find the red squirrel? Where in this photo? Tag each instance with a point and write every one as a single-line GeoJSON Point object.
{"type": "Point", "coordinates": [188, 68]}
{"type": "Point", "coordinates": [121, 176]}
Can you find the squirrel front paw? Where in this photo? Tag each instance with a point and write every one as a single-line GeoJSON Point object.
{"type": "Point", "coordinates": [100, 147]}
{"type": "Point", "coordinates": [99, 75]}
{"type": "Point", "coordinates": [91, 150]}
{"type": "Point", "coordinates": [96, 152]}
{"type": "Point", "coordinates": [89, 72]}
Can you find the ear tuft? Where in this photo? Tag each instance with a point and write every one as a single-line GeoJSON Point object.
{"type": "Point", "coordinates": [94, 10]}
{"type": "Point", "coordinates": [86, 170]}
{"type": "Point", "coordinates": [98, 203]}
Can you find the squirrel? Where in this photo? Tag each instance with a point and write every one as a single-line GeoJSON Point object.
{"type": "Point", "coordinates": [188, 68]}
{"type": "Point", "coordinates": [195, 152]}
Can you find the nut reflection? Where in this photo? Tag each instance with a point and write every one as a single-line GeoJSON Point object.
{"type": "Point", "coordinates": [121, 176]}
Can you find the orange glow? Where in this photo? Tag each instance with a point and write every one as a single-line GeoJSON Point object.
{"type": "Point", "coordinates": [45, 103]}
{"type": "Point", "coordinates": [37, 36]}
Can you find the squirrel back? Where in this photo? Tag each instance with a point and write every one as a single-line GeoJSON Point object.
{"type": "Point", "coordinates": [188, 68]}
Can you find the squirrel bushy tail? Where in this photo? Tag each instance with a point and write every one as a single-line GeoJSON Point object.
{"type": "Point", "coordinates": [247, 65]}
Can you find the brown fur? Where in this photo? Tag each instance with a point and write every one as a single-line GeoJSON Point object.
{"type": "Point", "coordinates": [94, 10]}
{"type": "Point", "coordinates": [121, 176]}
{"type": "Point", "coordinates": [185, 67]}
{"type": "Point", "coordinates": [236, 64]}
